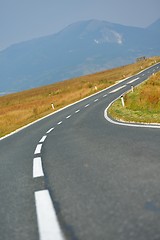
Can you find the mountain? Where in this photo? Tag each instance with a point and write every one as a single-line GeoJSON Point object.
{"type": "Point", "coordinates": [155, 26]}
{"type": "Point", "coordinates": [81, 48]}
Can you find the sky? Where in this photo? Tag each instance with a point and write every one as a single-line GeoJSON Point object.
{"type": "Point", "coordinates": [22, 20]}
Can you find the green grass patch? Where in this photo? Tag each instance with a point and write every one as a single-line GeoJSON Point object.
{"type": "Point", "coordinates": [142, 105]}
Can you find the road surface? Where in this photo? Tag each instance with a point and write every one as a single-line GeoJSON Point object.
{"type": "Point", "coordinates": [102, 178]}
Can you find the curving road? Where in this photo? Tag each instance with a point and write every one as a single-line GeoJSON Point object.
{"type": "Point", "coordinates": [102, 178]}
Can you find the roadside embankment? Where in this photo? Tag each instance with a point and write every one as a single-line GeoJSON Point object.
{"type": "Point", "coordinates": [142, 105]}
{"type": "Point", "coordinates": [20, 109]}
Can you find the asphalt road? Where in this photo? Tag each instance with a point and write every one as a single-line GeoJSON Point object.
{"type": "Point", "coordinates": [102, 178]}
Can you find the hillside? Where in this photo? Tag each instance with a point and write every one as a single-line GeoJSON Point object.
{"type": "Point", "coordinates": [82, 48]}
{"type": "Point", "coordinates": [24, 107]}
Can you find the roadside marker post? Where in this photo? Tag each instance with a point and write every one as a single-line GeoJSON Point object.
{"type": "Point", "coordinates": [122, 100]}
{"type": "Point", "coordinates": [52, 106]}
{"type": "Point", "coordinates": [132, 89]}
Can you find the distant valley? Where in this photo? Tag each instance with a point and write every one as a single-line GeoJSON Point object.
{"type": "Point", "coordinates": [81, 48]}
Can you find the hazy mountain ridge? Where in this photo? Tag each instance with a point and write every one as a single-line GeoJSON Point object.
{"type": "Point", "coordinates": [81, 48]}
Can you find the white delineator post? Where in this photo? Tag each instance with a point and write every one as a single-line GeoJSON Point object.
{"type": "Point", "coordinates": [132, 89]}
{"type": "Point", "coordinates": [122, 100]}
{"type": "Point", "coordinates": [52, 106]}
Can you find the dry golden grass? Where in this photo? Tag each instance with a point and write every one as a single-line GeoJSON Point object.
{"type": "Point", "coordinates": [143, 105]}
{"type": "Point", "coordinates": [24, 107]}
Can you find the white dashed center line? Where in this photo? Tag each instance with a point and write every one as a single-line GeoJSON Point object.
{"type": "Point", "coordinates": [48, 225]}
{"type": "Point", "coordinates": [133, 80]}
{"type": "Point", "coordinates": [37, 168]}
{"type": "Point", "coordinates": [38, 149]}
{"type": "Point", "coordinates": [68, 116]}
{"type": "Point", "coordinates": [50, 130]}
{"type": "Point", "coordinates": [47, 220]}
{"type": "Point", "coordinates": [117, 89]}
{"type": "Point", "coordinates": [77, 111]}
{"type": "Point", "coordinates": [86, 105]}
{"type": "Point", "coordinates": [43, 139]}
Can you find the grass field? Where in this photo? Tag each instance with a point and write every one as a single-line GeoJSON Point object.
{"type": "Point", "coordinates": [142, 105]}
{"type": "Point", "coordinates": [25, 107]}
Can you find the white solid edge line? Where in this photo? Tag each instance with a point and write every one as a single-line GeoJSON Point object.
{"type": "Point", "coordinates": [48, 225]}
{"type": "Point", "coordinates": [142, 125]}
{"type": "Point", "coordinates": [37, 168]}
{"type": "Point", "coordinates": [43, 139]}
{"type": "Point", "coordinates": [38, 149]}
{"type": "Point", "coordinates": [38, 120]}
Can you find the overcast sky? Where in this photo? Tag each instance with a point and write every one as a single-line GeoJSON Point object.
{"type": "Point", "coordinates": [22, 20]}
